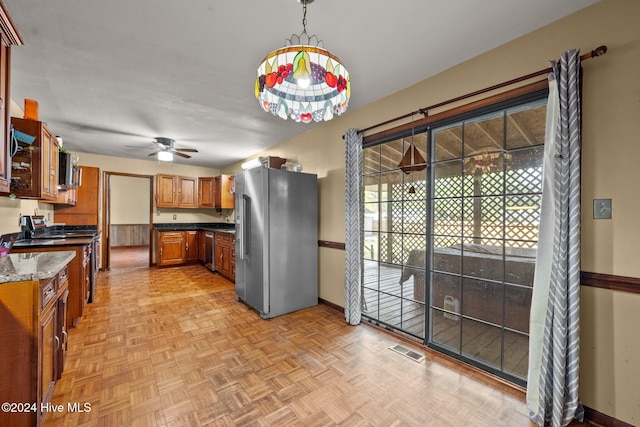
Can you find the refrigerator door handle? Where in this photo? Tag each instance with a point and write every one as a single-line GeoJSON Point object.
{"type": "Point", "coordinates": [244, 225]}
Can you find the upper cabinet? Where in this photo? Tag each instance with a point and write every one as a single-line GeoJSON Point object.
{"type": "Point", "coordinates": [34, 167]}
{"type": "Point", "coordinates": [174, 191]}
{"type": "Point", "coordinates": [224, 192]}
{"type": "Point", "coordinates": [206, 192]}
{"type": "Point", "coordinates": [8, 36]}
{"type": "Point", "coordinates": [85, 209]}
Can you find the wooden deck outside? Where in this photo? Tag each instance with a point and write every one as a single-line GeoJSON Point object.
{"type": "Point", "coordinates": [394, 304]}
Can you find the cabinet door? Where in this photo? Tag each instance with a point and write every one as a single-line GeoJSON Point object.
{"type": "Point", "coordinates": [85, 209]}
{"type": "Point", "coordinates": [223, 193]}
{"type": "Point", "coordinates": [192, 246]}
{"type": "Point", "coordinates": [202, 246]}
{"type": "Point", "coordinates": [49, 165]}
{"type": "Point", "coordinates": [187, 192]}
{"type": "Point", "coordinates": [62, 328]}
{"type": "Point", "coordinates": [172, 248]}
{"type": "Point", "coordinates": [48, 347]}
{"type": "Point", "coordinates": [5, 143]}
{"type": "Point", "coordinates": [206, 187]}
{"type": "Point", "coordinates": [166, 196]}
{"type": "Point", "coordinates": [223, 260]}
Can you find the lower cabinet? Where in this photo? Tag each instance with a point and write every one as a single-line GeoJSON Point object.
{"type": "Point", "coordinates": [79, 277]}
{"type": "Point", "coordinates": [34, 326]}
{"type": "Point", "coordinates": [180, 247]}
{"type": "Point", "coordinates": [191, 243]}
{"type": "Point", "coordinates": [172, 248]}
{"type": "Point", "coordinates": [225, 255]}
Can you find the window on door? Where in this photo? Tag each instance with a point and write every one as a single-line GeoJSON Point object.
{"type": "Point", "coordinates": [449, 250]}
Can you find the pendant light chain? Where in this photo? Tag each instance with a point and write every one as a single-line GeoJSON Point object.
{"type": "Point", "coordinates": [304, 17]}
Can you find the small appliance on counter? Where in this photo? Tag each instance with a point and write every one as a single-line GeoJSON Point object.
{"type": "Point", "coordinates": [30, 223]}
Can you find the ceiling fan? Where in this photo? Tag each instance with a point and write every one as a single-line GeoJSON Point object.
{"type": "Point", "coordinates": [166, 145]}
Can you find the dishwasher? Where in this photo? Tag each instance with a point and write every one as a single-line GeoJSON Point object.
{"type": "Point", "coordinates": [210, 250]}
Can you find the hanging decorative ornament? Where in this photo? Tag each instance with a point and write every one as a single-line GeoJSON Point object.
{"type": "Point", "coordinates": [412, 162]}
{"type": "Point", "coordinates": [302, 80]}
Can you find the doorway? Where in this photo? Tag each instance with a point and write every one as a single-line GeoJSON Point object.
{"type": "Point", "coordinates": [128, 220]}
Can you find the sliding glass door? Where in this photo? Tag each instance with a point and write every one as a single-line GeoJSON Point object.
{"type": "Point", "coordinates": [449, 251]}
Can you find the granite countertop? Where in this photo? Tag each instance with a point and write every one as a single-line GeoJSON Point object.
{"type": "Point", "coordinates": [33, 266]}
{"type": "Point", "coordinates": [210, 226]}
{"type": "Point", "coordinates": [47, 243]}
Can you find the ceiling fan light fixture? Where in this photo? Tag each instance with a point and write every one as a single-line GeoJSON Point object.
{"type": "Point", "coordinates": [165, 156]}
{"type": "Point", "coordinates": [302, 80]}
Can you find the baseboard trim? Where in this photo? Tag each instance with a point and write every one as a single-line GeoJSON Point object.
{"type": "Point", "coordinates": [598, 419]}
{"type": "Point", "coordinates": [331, 305]}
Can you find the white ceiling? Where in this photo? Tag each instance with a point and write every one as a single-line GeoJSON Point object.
{"type": "Point", "coordinates": [113, 73]}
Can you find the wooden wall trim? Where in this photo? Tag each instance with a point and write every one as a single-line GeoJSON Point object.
{"type": "Point", "coordinates": [330, 244]}
{"type": "Point", "coordinates": [331, 305]}
{"type": "Point", "coordinates": [609, 281]}
{"type": "Point", "coordinates": [598, 419]}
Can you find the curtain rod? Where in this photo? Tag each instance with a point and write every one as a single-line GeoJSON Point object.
{"type": "Point", "coordinates": [599, 51]}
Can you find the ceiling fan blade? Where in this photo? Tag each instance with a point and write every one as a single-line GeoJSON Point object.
{"type": "Point", "coordinates": [154, 153]}
{"type": "Point", "coordinates": [177, 153]}
{"type": "Point", "coordinates": [144, 147]}
{"type": "Point", "coordinates": [187, 150]}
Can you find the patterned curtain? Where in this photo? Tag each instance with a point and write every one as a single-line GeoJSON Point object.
{"type": "Point", "coordinates": [353, 221]}
{"type": "Point", "coordinates": [554, 342]}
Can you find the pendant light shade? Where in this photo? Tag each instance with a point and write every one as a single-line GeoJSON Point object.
{"type": "Point", "coordinates": [302, 80]}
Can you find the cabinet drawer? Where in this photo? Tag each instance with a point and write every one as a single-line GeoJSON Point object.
{"type": "Point", "coordinates": [171, 235]}
{"type": "Point", "coordinates": [63, 276]}
{"type": "Point", "coordinates": [223, 239]}
{"type": "Point", "coordinates": [47, 291]}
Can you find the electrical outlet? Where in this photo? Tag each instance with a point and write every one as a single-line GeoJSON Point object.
{"type": "Point", "coordinates": [602, 208]}
{"type": "Point", "coordinates": [175, 216]}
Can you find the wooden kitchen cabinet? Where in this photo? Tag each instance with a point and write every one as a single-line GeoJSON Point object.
{"type": "Point", "coordinates": [85, 210]}
{"type": "Point", "coordinates": [191, 242]}
{"type": "Point", "coordinates": [224, 192]}
{"type": "Point", "coordinates": [202, 246]}
{"type": "Point", "coordinates": [48, 346]}
{"type": "Point", "coordinates": [33, 327]}
{"type": "Point", "coordinates": [78, 273]}
{"type": "Point", "coordinates": [172, 248]}
{"type": "Point", "coordinates": [8, 36]}
{"type": "Point", "coordinates": [34, 168]}
{"type": "Point", "coordinates": [225, 255]}
{"type": "Point", "coordinates": [206, 192]}
{"type": "Point", "coordinates": [174, 191]}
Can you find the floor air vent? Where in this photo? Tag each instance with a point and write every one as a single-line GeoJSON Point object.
{"type": "Point", "coordinates": [416, 357]}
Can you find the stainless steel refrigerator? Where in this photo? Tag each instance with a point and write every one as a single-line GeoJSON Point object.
{"type": "Point", "coordinates": [276, 217]}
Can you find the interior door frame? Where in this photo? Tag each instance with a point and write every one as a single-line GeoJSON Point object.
{"type": "Point", "coordinates": [106, 215]}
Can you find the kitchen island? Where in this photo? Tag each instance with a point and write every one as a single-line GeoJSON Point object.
{"type": "Point", "coordinates": [79, 268]}
{"type": "Point", "coordinates": [34, 292]}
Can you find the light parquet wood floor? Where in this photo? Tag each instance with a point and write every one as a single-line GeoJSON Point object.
{"type": "Point", "coordinates": [173, 347]}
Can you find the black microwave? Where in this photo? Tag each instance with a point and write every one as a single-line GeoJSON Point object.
{"type": "Point", "coordinates": [69, 175]}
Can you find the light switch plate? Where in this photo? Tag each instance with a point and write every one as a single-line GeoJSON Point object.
{"type": "Point", "coordinates": [602, 208]}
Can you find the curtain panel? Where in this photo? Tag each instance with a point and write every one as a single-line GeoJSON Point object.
{"type": "Point", "coordinates": [554, 344]}
{"type": "Point", "coordinates": [353, 226]}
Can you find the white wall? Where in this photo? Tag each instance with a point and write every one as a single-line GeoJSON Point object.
{"type": "Point", "coordinates": [129, 200]}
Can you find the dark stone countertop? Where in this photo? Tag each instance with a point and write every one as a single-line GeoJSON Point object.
{"type": "Point", "coordinates": [210, 226]}
{"type": "Point", "coordinates": [33, 266]}
{"type": "Point", "coordinates": [48, 243]}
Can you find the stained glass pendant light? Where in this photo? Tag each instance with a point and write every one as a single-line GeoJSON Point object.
{"type": "Point", "coordinates": [302, 80]}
